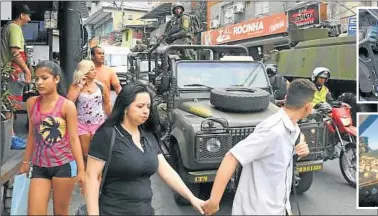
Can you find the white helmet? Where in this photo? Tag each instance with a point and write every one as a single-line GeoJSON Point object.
{"type": "Point", "coordinates": [320, 72]}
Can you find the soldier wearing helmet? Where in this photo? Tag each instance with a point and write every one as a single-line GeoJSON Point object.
{"type": "Point", "coordinates": [320, 76]}
{"type": "Point", "coordinates": [177, 30]}
{"type": "Point", "coordinates": [278, 82]}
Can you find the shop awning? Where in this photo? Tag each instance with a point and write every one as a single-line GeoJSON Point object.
{"type": "Point", "coordinates": [276, 40]}
{"type": "Point", "coordinates": [161, 10]}
{"type": "Point", "coordinates": [98, 16]}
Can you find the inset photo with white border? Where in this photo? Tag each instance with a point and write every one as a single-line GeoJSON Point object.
{"type": "Point", "coordinates": [367, 53]}
{"type": "Point", "coordinates": [367, 161]}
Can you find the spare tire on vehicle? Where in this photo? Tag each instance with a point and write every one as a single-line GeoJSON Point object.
{"type": "Point", "coordinates": [239, 99]}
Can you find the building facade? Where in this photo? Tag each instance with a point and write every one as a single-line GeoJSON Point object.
{"type": "Point", "coordinates": [263, 25]}
{"type": "Point", "coordinates": [110, 23]}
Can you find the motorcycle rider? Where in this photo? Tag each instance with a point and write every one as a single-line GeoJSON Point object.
{"type": "Point", "coordinates": [177, 30]}
{"type": "Point", "coordinates": [320, 76]}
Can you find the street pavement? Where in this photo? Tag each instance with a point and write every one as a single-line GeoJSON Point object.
{"type": "Point", "coordinates": [329, 194]}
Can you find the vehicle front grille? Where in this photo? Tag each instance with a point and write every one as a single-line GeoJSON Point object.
{"type": "Point", "coordinates": [238, 134]}
{"type": "Point", "coordinates": [313, 132]}
{"type": "Point", "coordinates": [203, 154]}
{"type": "Point", "coordinates": [314, 137]}
{"type": "Point", "coordinates": [234, 136]}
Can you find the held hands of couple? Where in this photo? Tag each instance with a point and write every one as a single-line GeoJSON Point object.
{"type": "Point", "coordinates": [210, 207]}
{"type": "Point", "coordinates": [197, 204]}
{"type": "Point", "coordinates": [301, 149]}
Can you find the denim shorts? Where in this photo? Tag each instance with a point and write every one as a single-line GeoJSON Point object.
{"type": "Point", "coordinates": [68, 170]}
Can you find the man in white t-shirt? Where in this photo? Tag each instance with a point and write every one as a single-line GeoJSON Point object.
{"type": "Point", "coordinates": [267, 159]}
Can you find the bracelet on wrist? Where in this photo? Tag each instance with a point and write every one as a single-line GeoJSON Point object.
{"type": "Point", "coordinates": [26, 162]}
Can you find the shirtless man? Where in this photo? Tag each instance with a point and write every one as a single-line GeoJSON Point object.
{"type": "Point", "coordinates": [104, 74]}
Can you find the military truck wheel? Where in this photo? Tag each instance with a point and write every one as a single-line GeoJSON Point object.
{"type": "Point", "coordinates": [180, 169]}
{"type": "Point", "coordinates": [239, 99]}
{"type": "Point", "coordinates": [305, 182]}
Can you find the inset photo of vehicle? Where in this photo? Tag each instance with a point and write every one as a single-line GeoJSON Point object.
{"type": "Point", "coordinates": [367, 40]}
{"type": "Point", "coordinates": [367, 190]}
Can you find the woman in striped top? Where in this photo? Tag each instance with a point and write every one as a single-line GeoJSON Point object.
{"type": "Point", "coordinates": [53, 146]}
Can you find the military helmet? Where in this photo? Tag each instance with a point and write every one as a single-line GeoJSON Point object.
{"type": "Point", "coordinates": [271, 69]}
{"type": "Point", "coordinates": [320, 72]}
{"type": "Point", "coordinates": [175, 5]}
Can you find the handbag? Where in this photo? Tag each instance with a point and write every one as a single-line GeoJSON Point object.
{"type": "Point", "coordinates": [82, 210]}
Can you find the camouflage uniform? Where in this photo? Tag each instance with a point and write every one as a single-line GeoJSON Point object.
{"type": "Point", "coordinates": [139, 47]}
{"type": "Point", "coordinates": [177, 31]}
{"type": "Point", "coordinates": [162, 111]}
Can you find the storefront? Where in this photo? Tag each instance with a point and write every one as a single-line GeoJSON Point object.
{"type": "Point", "coordinates": [307, 15]}
{"type": "Point", "coordinates": [259, 35]}
{"type": "Point", "coordinates": [63, 18]}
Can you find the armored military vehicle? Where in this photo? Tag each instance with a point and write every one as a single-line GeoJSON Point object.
{"type": "Point", "coordinates": [314, 48]}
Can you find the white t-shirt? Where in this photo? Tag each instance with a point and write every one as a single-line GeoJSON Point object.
{"type": "Point", "coordinates": [267, 159]}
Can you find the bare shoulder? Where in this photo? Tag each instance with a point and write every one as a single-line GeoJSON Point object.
{"type": "Point", "coordinates": [68, 105]}
{"type": "Point", "coordinates": [31, 101]}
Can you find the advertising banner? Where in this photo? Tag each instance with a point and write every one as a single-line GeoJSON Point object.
{"type": "Point", "coordinates": [252, 28]}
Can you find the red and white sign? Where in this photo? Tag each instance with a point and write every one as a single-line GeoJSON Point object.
{"type": "Point", "coordinates": [253, 28]}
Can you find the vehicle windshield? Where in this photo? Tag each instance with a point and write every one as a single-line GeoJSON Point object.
{"type": "Point", "coordinates": [221, 74]}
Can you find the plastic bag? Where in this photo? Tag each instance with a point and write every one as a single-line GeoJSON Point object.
{"type": "Point", "coordinates": [20, 195]}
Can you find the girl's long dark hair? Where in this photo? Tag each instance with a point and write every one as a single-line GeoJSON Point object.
{"type": "Point", "coordinates": [55, 70]}
{"type": "Point", "coordinates": [125, 97]}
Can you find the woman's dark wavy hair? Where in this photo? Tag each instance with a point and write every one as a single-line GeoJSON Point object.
{"type": "Point", "coordinates": [125, 97]}
{"type": "Point", "coordinates": [55, 70]}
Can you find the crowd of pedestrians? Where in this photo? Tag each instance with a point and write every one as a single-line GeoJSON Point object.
{"type": "Point", "coordinates": [111, 152]}
{"type": "Point", "coordinates": [70, 140]}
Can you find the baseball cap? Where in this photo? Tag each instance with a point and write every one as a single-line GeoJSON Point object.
{"type": "Point", "coordinates": [22, 9]}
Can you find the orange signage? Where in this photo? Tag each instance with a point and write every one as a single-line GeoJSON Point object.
{"type": "Point", "coordinates": [252, 28]}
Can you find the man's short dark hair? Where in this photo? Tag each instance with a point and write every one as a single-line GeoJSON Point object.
{"type": "Point", "coordinates": [93, 49]}
{"type": "Point", "coordinates": [299, 93]}
{"type": "Point", "coordinates": [19, 9]}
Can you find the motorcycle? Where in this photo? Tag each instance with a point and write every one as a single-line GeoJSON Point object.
{"type": "Point", "coordinates": [340, 132]}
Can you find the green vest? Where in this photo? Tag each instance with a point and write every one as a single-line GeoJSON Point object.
{"type": "Point", "coordinates": [320, 96]}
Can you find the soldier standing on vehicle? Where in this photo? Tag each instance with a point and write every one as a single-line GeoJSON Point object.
{"type": "Point", "coordinates": [177, 30]}
{"type": "Point", "coordinates": [267, 159]}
